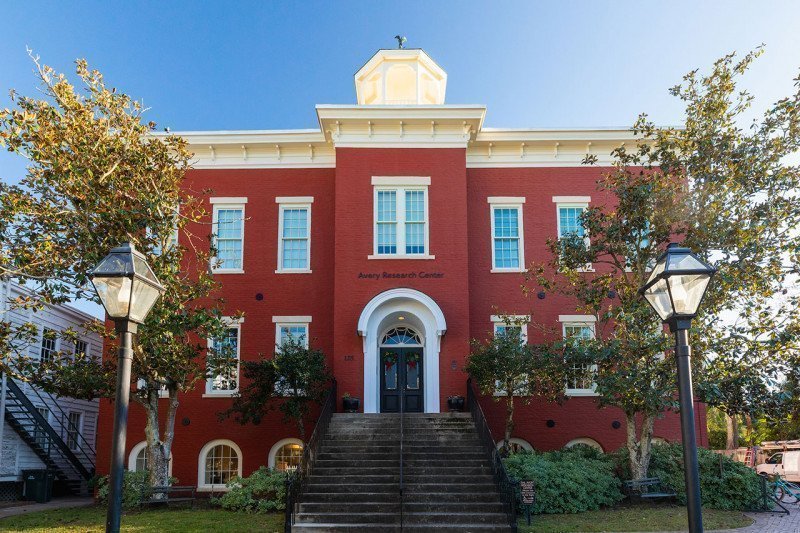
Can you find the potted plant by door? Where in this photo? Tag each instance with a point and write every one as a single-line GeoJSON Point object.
{"type": "Point", "coordinates": [349, 403]}
{"type": "Point", "coordinates": [455, 404]}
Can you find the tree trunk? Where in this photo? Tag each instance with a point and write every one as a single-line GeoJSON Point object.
{"type": "Point", "coordinates": [639, 448]}
{"type": "Point", "coordinates": [732, 432]}
{"type": "Point", "coordinates": [159, 445]}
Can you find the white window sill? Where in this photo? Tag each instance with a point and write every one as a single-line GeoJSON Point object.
{"type": "Point", "coordinates": [507, 270]}
{"type": "Point", "coordinates": [401, 256]}
{"type": "Point", "coordinates": [212, 488]}
{"type": "Point", "coordinates": [227, 271]}
{"type": "Point", "coordinates": [588, 268]}
{"type": "Point", "coordinates": [293, 271]}
{"type": "Point", "coordinates": [581, 392]}
{"type": "Point", "coordinates": [225, 394]}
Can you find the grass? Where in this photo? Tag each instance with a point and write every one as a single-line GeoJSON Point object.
{"type": "Point", "coordinates": [92, 519]}
{"type": "Point", "coordinates": [632, 518]}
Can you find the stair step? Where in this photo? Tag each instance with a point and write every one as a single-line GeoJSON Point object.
{"type": "Point", "coordinates": [348, 518]}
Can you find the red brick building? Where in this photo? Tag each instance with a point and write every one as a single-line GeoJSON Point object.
{"type": "Point", "coordinates": [400, 221]}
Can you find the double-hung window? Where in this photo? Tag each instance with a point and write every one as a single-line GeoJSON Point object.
{"type": "Point", "coordinates": [48, 349]}
{"type": "Point", "coordinates": [74, 427]}
{"type": "Point", "coordinates": [580, 376]}
{"type": "Point", "coordinates": [508, 246]}
{"type": "Point", "coordinates": [569, 210]}
{"type": "Point", "coordinates": [516, 325]}
{"type": "Point", "coordinates": [401, 218]}
{"type": "Point", "coordinates": [291, 327]}
{"type": "Point", "coordinates": [294, 234]}
{"type": "Point", "coordinates": [228, 223]}
{"type": "Point", "coordinates": [224, 379]}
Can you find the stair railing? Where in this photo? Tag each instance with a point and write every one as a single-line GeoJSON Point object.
{"type": "Point", "coordinates": [297, 481]}
{"type": "Point", "coordinates": [54, 439]}
{"type": "Point", "coordinates": [85, 450]}
{"type": "Point", "coordinates": [402, 438]}
{"type": "Point", "coordinates": [506, 484]}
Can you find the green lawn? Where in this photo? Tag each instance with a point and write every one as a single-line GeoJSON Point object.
{"type": "Point", "coordinates": [632, 518]}
{"type": "Point", "coordinates": [92, 519]}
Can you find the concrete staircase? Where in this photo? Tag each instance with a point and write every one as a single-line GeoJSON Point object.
{"type": "Point", "coordinates": [355, 482]}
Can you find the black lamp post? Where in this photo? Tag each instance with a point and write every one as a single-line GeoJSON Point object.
{"type": "Point", "coordinates": [675, 289]}
{"type": "Point", "coordinates": [128, 289]}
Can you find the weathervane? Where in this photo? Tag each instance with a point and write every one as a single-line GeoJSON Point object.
{"type": "Point", "coordinates": [401, 41]}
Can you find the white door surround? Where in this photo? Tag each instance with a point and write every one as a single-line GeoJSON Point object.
{"type": "Point", "coordinates": [397, 307]}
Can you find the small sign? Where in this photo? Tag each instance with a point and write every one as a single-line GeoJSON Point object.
{"type": "Point", "coordinates": [528, 492]}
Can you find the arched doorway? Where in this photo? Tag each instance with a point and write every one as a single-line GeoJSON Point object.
{"type": "Point", "coordinates": [419, 314]}
{"type": "Point", "coordinates": [402, 378]}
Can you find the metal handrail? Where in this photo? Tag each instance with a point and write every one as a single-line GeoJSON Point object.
{"type": "Point", "coordinates": [64, 416]}
{"type": "Point", "coordinates": [54, 437]}
{"type": "Point", "coordinates": [402, 438]}
{"type": "Point", "coordinates": [506, 484]}
{"type": "Point", "coordinates": [296, 481]}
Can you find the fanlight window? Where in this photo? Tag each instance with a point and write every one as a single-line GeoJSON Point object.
{"type": "Point", "coordinates": [401, 335]}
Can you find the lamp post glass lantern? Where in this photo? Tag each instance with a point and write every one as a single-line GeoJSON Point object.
{"type": "Point", "coordinates": [128, 289]}
{"type": "Point", "coordinates": [675, 289]}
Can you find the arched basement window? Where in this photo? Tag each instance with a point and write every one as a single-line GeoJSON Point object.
{"type": "Point", "coordinates": [517, 445]}
{"type": "Point", "coordinates": [401, 336]}
{"type": "Point", "coordinates": [220, 461]}
{"type": "Point", "coordinates": [286, 454]}
{"type": "Point", "coordinates": [139, 458]}
{"type": "Point", "coordinates": [586, 441]}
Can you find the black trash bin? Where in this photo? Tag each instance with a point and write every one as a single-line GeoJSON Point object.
{"type": "Point", "coordinates": [37, 485]}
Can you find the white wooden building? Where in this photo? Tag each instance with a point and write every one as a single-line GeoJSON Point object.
{"type": "Point", "coordinates": [61, 433]}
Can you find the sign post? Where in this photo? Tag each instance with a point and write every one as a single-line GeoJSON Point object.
{"type": "Point", "coordinates": [528, 493]}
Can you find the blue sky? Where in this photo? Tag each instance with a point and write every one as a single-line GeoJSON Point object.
{"type": "Point", "coordinates": [265, 65]}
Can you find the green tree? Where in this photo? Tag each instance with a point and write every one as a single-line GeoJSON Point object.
{"type": "Point", "coordinates": [293, 381]}
{"type": "Point", "coordinates": [98, 177]}
{"type": "Point", "coordinates": [728, 193]}
{"type": "Point", "coordinates": [505, 368]}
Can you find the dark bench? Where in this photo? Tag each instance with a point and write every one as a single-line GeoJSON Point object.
{"type": "Point", "coordinates": [172, 494]}
{"type": "Point", "coordinates": [649, 487]}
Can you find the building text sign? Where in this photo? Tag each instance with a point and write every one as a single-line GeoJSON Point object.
{"type": "Point", "coordinates": [422, 274]}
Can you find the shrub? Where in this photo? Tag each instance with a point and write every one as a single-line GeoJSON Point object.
{"type": "Point", "coordinates": [135, 489]}
{"type": "Point", "coordinates": [724, 483]}
{"type": "Point", "coordinates": [263, 491]}
{"type": "Point", "coordinates": [568, 481]}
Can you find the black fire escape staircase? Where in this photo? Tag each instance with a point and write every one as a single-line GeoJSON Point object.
{"type": "Point", "coordinates": [73, 463]}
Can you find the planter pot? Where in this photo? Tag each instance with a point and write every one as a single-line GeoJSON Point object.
{"type": "Point", "coordinates": [455, 404]}
{"type": "Point", "coordinates": [350, 405]}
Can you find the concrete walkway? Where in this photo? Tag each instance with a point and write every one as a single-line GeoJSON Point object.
{"type": "Point", "coordinates": [57, 503]}
{"type": "Point", "coordinates": [771, 522]}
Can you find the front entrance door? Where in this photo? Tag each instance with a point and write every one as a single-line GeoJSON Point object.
{"type": "Point", "coordinates": [401, 380]}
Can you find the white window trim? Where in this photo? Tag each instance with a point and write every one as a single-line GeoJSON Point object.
{"type": "Point", "coordinates": [400, 184]}
{"type": "Point", "coordinates": [586, 441]}
{"type": "Point", "coordinates": [228, 200]}
{"type": "Point", "coordinates": [520, 321]}
{"type": "Point", "coordinates": [202, 486]}
{"type": "Point", "coordinates": [579, 321]}
{"type": "Point", "coordinates": [508, 202]}
{"type": "Point", "coordinates": [516, 440]}
{"type": "Point", "coordinates": [79, 429]}
{"type": "Point", "coordinates": [277, 446]}
{"type": "Point", "coordinates": [229, 324]}
{"type": "Point", "coordinates": [135, 453]}
{"type": "Point", "coordinates": [227, 203]}
{"type": "Point", "coordinates": [288, 321]}
{"type": "Point", "coordinates": [581, 202]}
{"type": "Point", "coordinates": [293, 202]}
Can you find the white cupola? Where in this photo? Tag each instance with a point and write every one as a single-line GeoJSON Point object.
{"type": "Point", "coordinates": [401, 77]}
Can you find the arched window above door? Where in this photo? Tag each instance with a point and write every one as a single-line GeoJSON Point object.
{"type": "Point", "coordinates": [401, 336]}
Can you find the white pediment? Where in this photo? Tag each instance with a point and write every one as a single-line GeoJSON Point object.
{"type": "Point", "coordinates": [401, 77]}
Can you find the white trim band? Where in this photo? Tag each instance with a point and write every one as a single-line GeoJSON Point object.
{"type": "Point", "coordinates": [292, 319]}
{"type": "Point", "coordinates": [401, 181]}
{"type": "Point", "coordinates": [505, 199]}
{"type": "Point", "coordinates": [577, 318]}
{"type": "Point", "coordinates": [228, 200]}
{"type": "Point", "coordinates": [572, 199]}
{"type": "Point", "coordinates": [294, 199]}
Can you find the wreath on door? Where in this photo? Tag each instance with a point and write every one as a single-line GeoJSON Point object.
{"type": "Point", "coordinates": [389, 359]}
{"type": "Point", "coordinates": [411, 360]}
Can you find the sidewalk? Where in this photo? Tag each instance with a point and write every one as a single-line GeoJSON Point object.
{"type": "Point", "coordinates": [57, 503]}
{"type": "Point", "coordinates": [770, 522]}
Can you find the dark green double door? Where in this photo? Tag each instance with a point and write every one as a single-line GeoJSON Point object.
{"type": "Point", "coordinates": [401, 380]}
